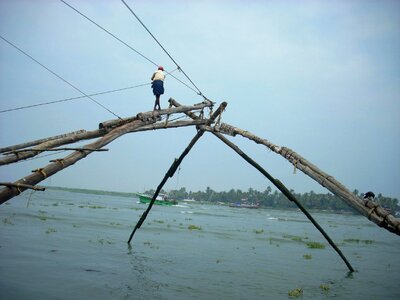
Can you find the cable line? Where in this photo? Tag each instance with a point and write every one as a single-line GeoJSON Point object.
{"type": "Point", "coordinates": [199, 92]}
{"type": "Point", "coordinates": [72, 98]}
{"type": "Point", "coordinates": [110, 33]}
{"type": "Point", "coordinates": [127, 45]}
{"type": "Point", "coordinates": [58, 76]}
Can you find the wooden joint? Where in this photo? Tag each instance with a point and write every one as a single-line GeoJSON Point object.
{"type": "Point", "coordinates": [41, 171]}
{"type": "Point", "coordinates": [60, 161]}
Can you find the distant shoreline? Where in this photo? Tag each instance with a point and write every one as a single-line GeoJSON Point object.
{"type": "Point", "coordinates": [133, 195]}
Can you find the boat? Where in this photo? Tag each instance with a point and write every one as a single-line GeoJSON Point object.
{"type": "Point", "coordinates": [161, 199]}
{"type": "Point", "coordinates": [245, 205]}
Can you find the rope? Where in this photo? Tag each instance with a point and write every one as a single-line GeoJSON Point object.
{"type": "Point", "coordinates": [73, 98]}
{"type": "Point", "coordinates": [58, 76]}
{"type": "Point", "coordinates": [198, 90]}
{"type": "Point", "coordinates": [126, 44]}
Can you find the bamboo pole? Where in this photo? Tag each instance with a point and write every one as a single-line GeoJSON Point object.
{"type": "Point", "coordinates": [283, 189]}
{"type": "Point", "coordinates": [174, 167]}
{"type": "Point", "coordinates": [56, 149]}
{"type": "Point", "coordinates": [36, 142]}
{"type": "Point", "coordinates": [373, 212]}
{"type": "Point", "coordinates": [59, 164]}
{"type": "Point", "coordinates": [155, 113]}
{"type": "Point", "coordinates": [86, 135]}
{"type": "Point", "coordinates": [368, 209]}
{"type": "Point", "coordinates": [54, 167]}
{"type": "Point", "coordinates": [19, 185]}
{"type": "Point", "coordinates": [69, 139]}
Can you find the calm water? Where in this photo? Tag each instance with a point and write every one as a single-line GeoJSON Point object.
{"type": "Point", "coordinates": [73, 246]}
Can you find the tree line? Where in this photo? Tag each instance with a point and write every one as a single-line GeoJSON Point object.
{"type": "Point", "coordinates": [275, 199]}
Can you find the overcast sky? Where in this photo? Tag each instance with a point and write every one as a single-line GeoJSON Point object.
{"type": "Point", "coordinates": [319, 77]}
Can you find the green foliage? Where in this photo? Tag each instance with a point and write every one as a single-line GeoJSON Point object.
{"type": "Point", "coordinates": [307, 256]}
{"type": "Point", "coordinates": [267, 198]}
{"type": "Point", "coordinates": [315, 245]}
{"type": "Point", "coordinates": [258, 231]}
{"type": "Point", "coordinates": [194, 227]}
{"type": "Point", "coordinates": [325, 287]}
{"type": "Point", "coordinates": [295, 293]}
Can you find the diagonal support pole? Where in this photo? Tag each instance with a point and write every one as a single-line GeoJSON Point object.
{"type": "Point", "coordinates": [284, 190]}
{"type": "Point", "coordinates": [174, 167]}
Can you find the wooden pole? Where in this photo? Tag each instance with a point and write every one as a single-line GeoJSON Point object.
{"type": "Point", "coordinates": [52, 143]}
{"type": "Point", "coordinates": [283, 189]}
{"type": "Point", "coordinates": [21, 185]}
{"type": "Point", "coordinates": [56, 149]}
{"type": "Point", "coordinates": [174, 167]}
{"type": "Point", "coordinates": [59, 164]}
{"type": "Point", "coordinates": [51, 169]}
{"type": "Point", "coordinates": [105, 127]}
{"type": "Point", "coordinates": [373, 212]}
{"type": "Point", "coordinates": [33, 143]}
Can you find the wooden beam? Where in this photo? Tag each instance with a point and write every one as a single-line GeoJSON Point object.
{"type": "Point", "coordinates": [86, 135]}
{"type": "Point", "coordinates": [52, 143]}
{"type": "Point", "coordinates": [56, 149]}
{"type": "Point", "coordinates": [377, 215]}
{"type": "Point", "coordinates": [18, 186]}
{"type": "Point", "coordinates": [60, 164]}
{"type": "Point", "coordinates": [36, 142]}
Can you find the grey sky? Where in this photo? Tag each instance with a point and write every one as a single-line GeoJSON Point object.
{"type": "Point", "coordinates": [320, 77]}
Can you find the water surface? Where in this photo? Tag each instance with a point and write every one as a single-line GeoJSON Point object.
{"type": "Point", "coordinates": [67, 245]}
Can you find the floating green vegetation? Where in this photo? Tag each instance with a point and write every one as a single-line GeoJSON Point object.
{"type": "Point", "coordinates": [194, 227]}
{"type": "Point", "coordinates": [258, 231]}
{"type": "Point", "coordinates": [315, 245]}
{"type": "Point", "coordinates": [43, 218]}
{"type": "Point", "coordinates": [357, 241]}
{"type": "Point", "coordinates": [76, 226]}
{"type": "Point", "coordinates": [50, 230]}
{"type": "Point", "coordinates": [295, 293]}
{"type": "Point", "coordinates": [325, 287]}
{"type": "Point", "coordinates": [307, 256]}
{"type": "Point", "coordinates": [159, 221]}
{"type": "Point", "coordinates": [55, 204]}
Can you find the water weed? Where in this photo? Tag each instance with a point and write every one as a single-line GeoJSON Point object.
{"type": "Point", "coordinates": [194, 227]}
{"type": "Point", "coordinates": [295, 293]}
{"type": "Point", "coordinates": [315, 245]}
{"type": "Point", "coordinates": [325, 287]}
